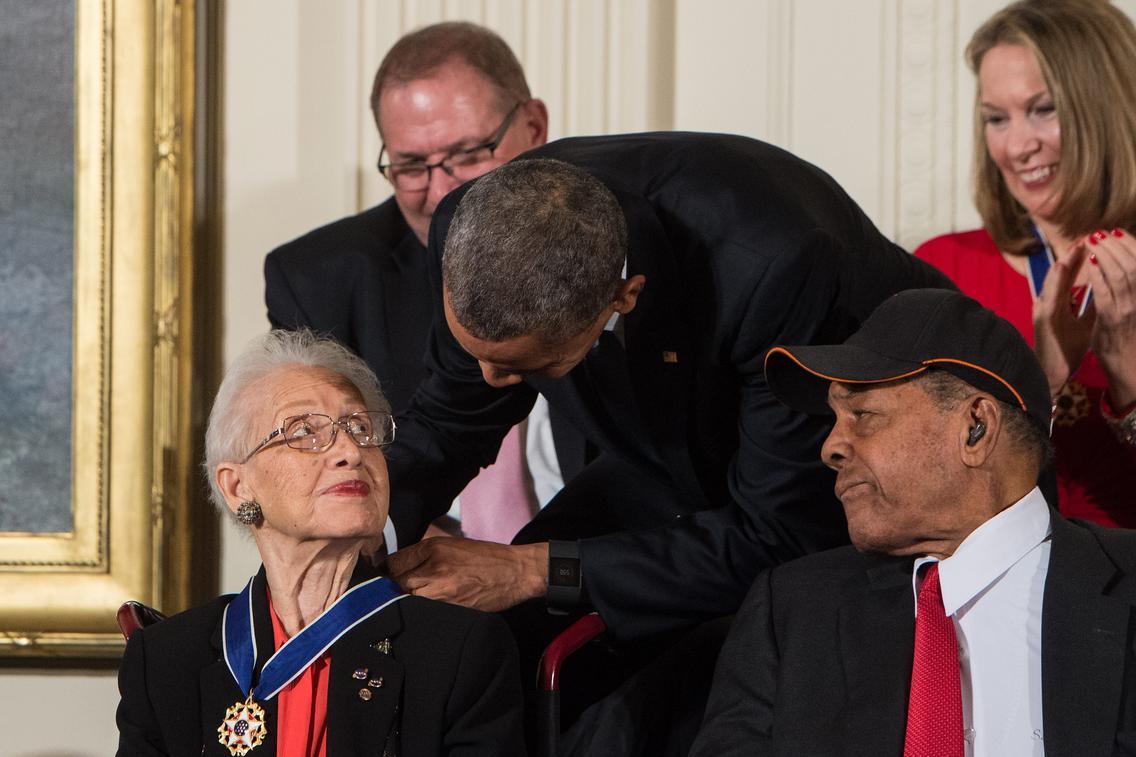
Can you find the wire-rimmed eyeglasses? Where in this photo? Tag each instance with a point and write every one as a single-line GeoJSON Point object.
{"type": "Point", "coordinates": [313, 432]}
{"type": "Point", "coordinates": [461, 164]}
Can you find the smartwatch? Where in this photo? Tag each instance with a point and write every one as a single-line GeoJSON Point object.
{"type": "Point", "coordinates": [565, 588]}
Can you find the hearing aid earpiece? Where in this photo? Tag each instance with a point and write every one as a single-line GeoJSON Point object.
{"type": "Point", "coordinates": [977, 431]}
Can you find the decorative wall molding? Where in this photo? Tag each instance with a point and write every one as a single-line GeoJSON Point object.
{"type": "Point", "coordinates": [925, 120]}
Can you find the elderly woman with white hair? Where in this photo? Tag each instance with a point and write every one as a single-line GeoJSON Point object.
{"type": "Point", "coordinates": [318, 656]}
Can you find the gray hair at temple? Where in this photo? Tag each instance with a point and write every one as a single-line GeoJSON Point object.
{"type": "Point", "coordinates": [535, 247]}
{"type": "Point", "coordinates": [947, 391]}
{"type": "Point", "coordinates": [229, 435]}
{"type": "Point", "coordinates": [423, 51]}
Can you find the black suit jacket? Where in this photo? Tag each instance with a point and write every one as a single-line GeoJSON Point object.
{"type": "Point", "coordinates": [818, 661]}
{"type": "Point", "coordinates": [743, 246]}
{"type": "Point", "coordinates": [362, 280]}
{"type": "Point", "coordinates": [451, 674]}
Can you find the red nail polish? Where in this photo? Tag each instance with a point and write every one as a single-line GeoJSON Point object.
{"type": "Point", "coordinates": [1118, 232]}
{"type": "Point", "coordinates": [1093, 257]}
{"type": "Point", "coordinates": [1077, 296]}
{"type": "Point", "coordinates": [1093, 240]}
{"type": "Point", "coordinates": [1098, 235]}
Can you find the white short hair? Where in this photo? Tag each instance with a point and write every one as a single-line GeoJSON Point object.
{"type": "Point", "coordinates": [228, 431]}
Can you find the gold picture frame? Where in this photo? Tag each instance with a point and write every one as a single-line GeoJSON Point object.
{"type": "Point", "coordinates": [140, 359]}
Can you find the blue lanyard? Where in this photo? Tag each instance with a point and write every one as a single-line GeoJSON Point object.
{"type": "Point", "coordinates": [295, 655]}
{"type": "Point", "coordinates": [1040, 261]}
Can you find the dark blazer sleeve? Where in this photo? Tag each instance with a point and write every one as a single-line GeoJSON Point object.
{"type": "Point", "coordinates": [138, 731]}
{"type": "Point", "coordinates": [739, 715]}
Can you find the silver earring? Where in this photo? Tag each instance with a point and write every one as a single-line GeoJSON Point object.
{"type": "Point", "coordinates": [249, 513]}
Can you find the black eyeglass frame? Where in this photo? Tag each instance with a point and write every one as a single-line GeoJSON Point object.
{"type": "Point", "coordinates": [335, 426]}
{"type": "Point", "coordinates": [490, 144]}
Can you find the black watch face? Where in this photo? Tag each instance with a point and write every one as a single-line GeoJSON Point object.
{"type": "Point", "coordinates": [563, 571]}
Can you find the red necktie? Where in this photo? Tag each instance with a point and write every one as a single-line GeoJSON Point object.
{"type": "Point", "coordinates": [934, 711]}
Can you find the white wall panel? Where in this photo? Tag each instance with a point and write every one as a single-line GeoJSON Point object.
{"type": "Point", "coordinates": [731, 65]}
{"type": "Point", "coordinates": [875, 92]}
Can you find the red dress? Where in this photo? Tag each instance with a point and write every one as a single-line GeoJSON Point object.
{"type": "Point", "coordinates": [1096, 474]}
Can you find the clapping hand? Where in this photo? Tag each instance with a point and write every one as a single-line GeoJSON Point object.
{"type": "Point", "coordinates": [1112, 274]}
{"type": "Point", "coordinates": [1061, 335]}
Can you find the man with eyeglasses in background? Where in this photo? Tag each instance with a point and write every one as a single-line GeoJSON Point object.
{"type": "Point", "coordinates": [451, 103]}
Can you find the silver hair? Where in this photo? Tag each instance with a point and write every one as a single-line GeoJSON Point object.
{"type": "Point", "coordinates": [229, 433]}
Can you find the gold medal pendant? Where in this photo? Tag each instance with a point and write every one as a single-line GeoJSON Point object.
{"type": "Point", "coordinates": [243, 727]}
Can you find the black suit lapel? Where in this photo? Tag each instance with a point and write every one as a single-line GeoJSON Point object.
{"type": "Point", "coordinates": [365, 687]}
{"type": "Point", "coordinates": [877, 642]}
{"type": "Point", "coordinates": [1084, 640]}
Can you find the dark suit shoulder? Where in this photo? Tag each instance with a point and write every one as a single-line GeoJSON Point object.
{"type": "Point", "coordinates": [455, 643]}
{"type": "Point", "coordinates": [458, 622]}
{"type": "Point", "coordinates": [375, 231]}
{"type": "Point", "coordinates": [1118, 546]}
{"type": "Point", "coordinates": [186, 627]}
{"type": "Point", "coordinates": [1118, 542]}
{"type": "Point", "coordinates": [822, 565]}
{"type": "Point", "coordinates": [821, 581]}
{"type": "Point", "coordinates": [689, 172]}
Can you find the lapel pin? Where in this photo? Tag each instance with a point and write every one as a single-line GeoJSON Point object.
{"type": "Point", "coordinates": [365, 695]}
{"type": "Point", "coordinates": [375, 683]}
{"type": "Point", "coordinates": [359, 674]}
{"type": "Point", "coordinates": [383, 647]}
{"type": "Point", "coordinates": [670, 357]}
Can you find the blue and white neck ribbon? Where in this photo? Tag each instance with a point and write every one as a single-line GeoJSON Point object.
{"type": "Point", "coordinates": [295, 655]}
{"type": "Point", "coordinates": [1040, 261]}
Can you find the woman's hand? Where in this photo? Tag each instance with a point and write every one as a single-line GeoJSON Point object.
{"type": "Point", "coordinates": [1061, 339]}
{"type": "Point", "coordinates": [1112, 273]}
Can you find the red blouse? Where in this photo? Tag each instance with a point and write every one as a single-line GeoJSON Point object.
{"type": "Point", "coordinates": [1096, 474]}
{"type": "Point", "coordinates": [301, 714]}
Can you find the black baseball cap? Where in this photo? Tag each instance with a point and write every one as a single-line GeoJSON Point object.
{"type": "Point", "coordinates": [909, 333]}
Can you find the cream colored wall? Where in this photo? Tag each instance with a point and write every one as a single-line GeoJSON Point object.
{"type": "Point", "coordinates": [874, 91]}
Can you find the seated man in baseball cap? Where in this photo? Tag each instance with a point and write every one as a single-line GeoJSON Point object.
{"type": "Point", "coordinates": [967, 617]}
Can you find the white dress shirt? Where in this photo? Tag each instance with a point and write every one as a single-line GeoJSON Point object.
{"type": "Point", "coordinates": [992, 588]}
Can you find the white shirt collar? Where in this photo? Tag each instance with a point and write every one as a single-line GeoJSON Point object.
{"type": "Point", "coordinates": [990, 550]}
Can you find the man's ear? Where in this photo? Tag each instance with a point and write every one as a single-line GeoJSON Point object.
{"type": "Point", "coordinates": [980, 429]}
{"type": "Point", "coordinates": [535, 122]}
{"type": "Point", "coordinates": [233, 488]}
{"type": "Point", "coordinates": [628, 293]}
